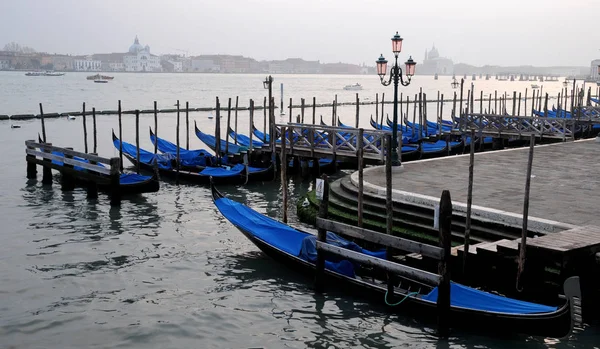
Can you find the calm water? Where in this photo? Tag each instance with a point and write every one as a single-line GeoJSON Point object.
{"type": "Point", "coordinates": [166, 270]}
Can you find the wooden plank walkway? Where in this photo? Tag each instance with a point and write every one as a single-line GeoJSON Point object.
{"type": "Point", "coordinates": [564, 184]}
{"type": "Point", "coordinates": [568, 241]}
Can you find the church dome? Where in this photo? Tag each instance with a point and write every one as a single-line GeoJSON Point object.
{"type": "Point", "coordinates": [433, 54]}
{"type": "Point", "coordinates": [136, 47]}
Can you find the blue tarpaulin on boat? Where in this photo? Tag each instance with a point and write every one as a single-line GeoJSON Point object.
{"type": "Point", "coordinates": [197, 157]}
{"type": "Point", "coordinates": [466, 297]}
{"type": "Point", "coordinates": [286, 238]}
{"type": "Point", "coordinates": [245, 140]}
{"type": "Point", "coordinates": [223, 171]}
{"type": "Point", "coordinates": [308, 252]}
{"type": "Point", "coordinates": [133, 178]}
{"type": "Point", "coordinates": [275, 233]}
{"type": "Point", "coordinates": [146, 157]}
{"type": "Point", "coordinates": [211, 142]}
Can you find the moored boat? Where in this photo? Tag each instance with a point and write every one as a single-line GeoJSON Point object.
{"type": "Point", "coordinates": [353, 87]}
{"type": "Point", "coordinates": [471, 309]}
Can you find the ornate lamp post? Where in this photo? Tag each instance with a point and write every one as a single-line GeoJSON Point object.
{"type": "Point", "coordinates": [268, 84]}
{"type": "Point", "coordinates": [396, 77]}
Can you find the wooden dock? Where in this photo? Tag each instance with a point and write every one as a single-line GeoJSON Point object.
{"type": "Point", "coordinates": [563, 224]}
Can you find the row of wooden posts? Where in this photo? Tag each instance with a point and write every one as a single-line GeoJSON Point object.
{"type": "Point", "coordinates": [389, 241]}
{"type": "Point", "coordinates": [441, 253]}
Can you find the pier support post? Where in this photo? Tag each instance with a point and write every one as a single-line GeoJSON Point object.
{"type": "Point", "coordinates": [31, 166]}
{"type": "Point", "coordinates": [46, 170]}
{"type": "Point", "coordinates": [284, 166]}
{"type": "Point", "coordinates": [443, 301]}
{"type": "Point", "coordinates": [92, 186]}
{"type": "Point", "coordinates": [359, 154]}
{"type": "Point", "coordinates": [43, 123]}
{"type": "Point", "coordinates": [322, 236]}
{"type": "Point", "coordinates": [67, 180]}
{"type": "Point", "coordinates": [137, 141]}
{"type": "Point", "coordinates": [115, 193]}
{"type": "Point", "coordinates": [85, 143]}
{"type": "Point", "coordinates": [469, 203]}
{"type": "Point", "coordinates": [523, 244]}
{"type": "Point", "coordinates": [120, 138]}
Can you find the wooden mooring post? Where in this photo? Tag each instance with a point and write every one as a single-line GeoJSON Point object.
{"type": "Point", "coordinates": [95, 131]}
{"type": "Point", "coordinates": [120, 137]}
{"type": "Point", "coordinates": [85, 144]}
{"type": "Point", "coordinates": [360, 152]}
{"type": "Point", "coordinates": [469, 203]}
{"type": "Point", "coordinates": [524, 231]}
{"type": "Point", "coordinates": [187, 125]}
{"type": "Point", "coordinates": [284, 166]}
{"type": "Point", "coordinates": [155, 128]}
{"type": "Point", "coordinates": [43, 123]}
{"type": "Point", "coordinates": [137, 141]}
{"type": "Point", "coordinates": [443, 301]}
{"type": "Point", "coordinates": [177, 160]}
{"type": "Point", "coordinates": [322, 236]}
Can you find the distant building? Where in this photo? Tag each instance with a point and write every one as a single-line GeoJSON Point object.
{"type": "Point", "coordinates": [594, 70]}
{"type": "Point", "coordinates": [4, 63]}
{"type": "Point", "coordinates": [139, 59]}
{"type": "Point", "coordinates": [203, 65]}
{"type": "Point", "coordinates": [86, 64]}
{"type": "Point", "coordinates": [434, 64]}
{"type": "Point", "coordinates": [111, 61]}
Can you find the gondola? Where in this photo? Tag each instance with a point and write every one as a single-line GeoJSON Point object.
{"type": "Point", "coordinates": [129, 183]}
{"type": "Point", "coordinates": [244, 140]}
{"type": "Point", "coordinates": [190, 160]}
{"type": "Point", "coordinates": [471, 309]}
{"type": "Point", "coordinates": [211, 142]}
{"type": "Point", "coordinates": [167, 165]}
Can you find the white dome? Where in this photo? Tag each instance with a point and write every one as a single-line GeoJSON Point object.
{"type": "Point", "coordinates": [136, 47]}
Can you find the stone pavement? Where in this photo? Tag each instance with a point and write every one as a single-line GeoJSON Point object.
{"type": "Point", "coordinates": [565, 184]}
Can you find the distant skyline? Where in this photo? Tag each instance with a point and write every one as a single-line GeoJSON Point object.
{"type": "Point", "coordinates": [540, 33]}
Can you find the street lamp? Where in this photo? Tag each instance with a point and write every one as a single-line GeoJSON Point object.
{"type": "Point", "coordinates": [268, 84]}
{"type": "Point", "coordinates": [396, 77]}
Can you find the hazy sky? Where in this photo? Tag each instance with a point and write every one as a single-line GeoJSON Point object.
{"type": "Point", "coordinates": [508, 32]}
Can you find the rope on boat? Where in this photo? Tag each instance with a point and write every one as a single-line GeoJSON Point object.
{"type": "Point", "coordinates": [402, 300]}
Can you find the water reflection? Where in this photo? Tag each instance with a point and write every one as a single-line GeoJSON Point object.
{"type": "Point", "coordinates": [81, 232]}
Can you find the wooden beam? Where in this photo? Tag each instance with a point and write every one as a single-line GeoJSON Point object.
{"type": "Point", "coordinates": [45, 146]}
{"type": "Point", "coordinates": [403, 270]}
{"type": "Point", "coordinates": [380, 238]}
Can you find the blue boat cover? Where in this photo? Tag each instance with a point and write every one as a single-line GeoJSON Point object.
{"type": "Point", "coordinates": [211, 142]}
{"type": "Point", "coordinates": [466, 297]}
{"type": "Point", "coordinates": [245, 140]}
{"type": "Point", "coordinates": [133, 178]}
{"type": "Point", "coordinates": [286, 238]}
{"type": "Point", "coordinates": [274, 233]}
{"type": "Point", "coordinates": [146, 157]}
{"type": "Point", "coordinates": [308, 252]}
{"type": "Point", "coordinates": [126, 178]}
{"type": "Point", "coordinates": [198, 157]}
{"type": "Point", "coordinates": [223, 171]}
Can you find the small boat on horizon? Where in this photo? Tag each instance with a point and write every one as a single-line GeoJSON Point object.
{"type": "Point", "coordinates": [100, 77]}
{"type": "Point", "coordinates": [353, 87]}
{"type": "Point", "coordinates": [46, 73]}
